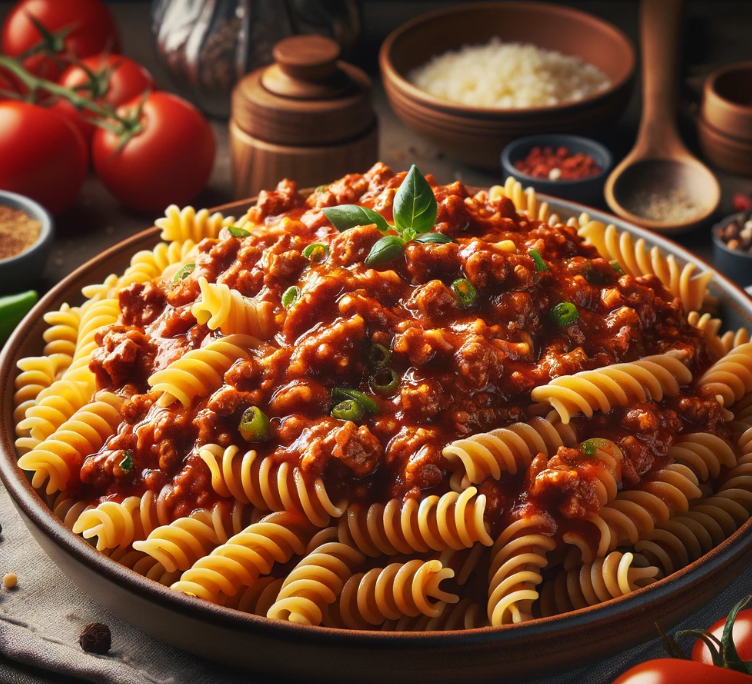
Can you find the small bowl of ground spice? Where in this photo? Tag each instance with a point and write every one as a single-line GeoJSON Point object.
{"type": "Point", "coordinates": [566, 166]}
{"type": "Point", "coordinates": [26, 231]}
{"type": "Point", "coordinates": [732, 247]}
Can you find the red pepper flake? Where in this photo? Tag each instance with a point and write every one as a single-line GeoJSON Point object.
{"type": "Point", "coordinates": [559, 164]}
{"type": "Point", "coordinates": [742, 202]}
{"type": "Point", "coordinates": [96, 638]}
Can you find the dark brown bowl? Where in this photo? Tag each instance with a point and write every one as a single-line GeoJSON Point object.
{"type": "Point", "coordinates": [477, 135]}
{"type": "Point", "coordinates": [317, 654]}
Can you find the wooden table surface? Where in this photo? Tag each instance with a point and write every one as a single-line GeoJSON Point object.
{"type": "Point", "coordinates": [716, 32]}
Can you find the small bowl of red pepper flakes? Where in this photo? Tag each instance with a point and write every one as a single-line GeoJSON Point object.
{"type": "Point", "coordinates": [566, 166]}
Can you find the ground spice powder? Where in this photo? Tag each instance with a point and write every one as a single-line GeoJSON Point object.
{"type": "Point", "coordinates": [18, 231]}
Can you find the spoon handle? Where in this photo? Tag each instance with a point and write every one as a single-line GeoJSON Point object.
{"type": "Point", "coordinates": [660, 26]}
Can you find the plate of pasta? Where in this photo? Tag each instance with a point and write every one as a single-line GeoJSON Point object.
{"type": "Point", "coordinates": [388, 426]}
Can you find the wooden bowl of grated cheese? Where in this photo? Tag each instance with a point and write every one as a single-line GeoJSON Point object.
{"type": "Point", "coordinates": [472, 78]}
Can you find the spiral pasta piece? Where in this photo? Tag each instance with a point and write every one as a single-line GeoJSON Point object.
{"type": "Point", "coordinates": [634, 513]}
{"type": "Point", "coordinates": [729, 378]}
{"type": "Point", "coordinates": [315, 582]}
{"type": "Point", "coordinates": [466, 614]}
{"type": "Point", "coordinates": [517, 558]}
{"type": "Point", "coordinates": [246, 556]}
{"type": "Point", "coordinates": [231, 312]}
{"type": "Point", "coordinates": [509, 449]}
{"type": "Point", "coordinates": [462, 561]}
{"type": "Point", "coordinates": [95, 317]}
{"type": "Point", "coordinates": [435, 523]}
{"type": "Point", "coordinates": [709, 327]}
{"type": "Point", "coordinates": [593, 583]}
{"type": "Point", "coordinates": [59, 456]}
{"type": "Point", "coordinates": [639, 260]}
{"type": "Point", "coordinates": [119, 524]}
{"type": "Point", "coordinates": [180, 544]}
{"type": "Point", "coordinates": [704, 453]}
{"type": "Point", "coordinates": [104, 290]}
{"type": "Point", "coordinates": [142, 564]}
{"type": "Point", "coordinates": [200, 371]}
{"type": "Point", "coordinates": [269, 486]}
{"type": "Point", "coordinates": [66, 507]}
{"type": "Point", "coordinates": [369, 599]}
{"type": "Point", "coordinates": [732, 339]}
{"type": "Point", "coordinates": [179, 225]}
{"type": "Point", "coordinates": [37, 374]}
{"type": "Point", "coordinates": [256, 599]}
{"type": "Point", "coordinates": [525, 201]}
{"type": "Point", "coordinates": [621, 384]}
{"type": "Point", "coordinates": [149, 264]}
{"type": "Point", "coordinates": [60, 337]}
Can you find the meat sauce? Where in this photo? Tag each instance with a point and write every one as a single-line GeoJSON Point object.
{"type": "Point", "coordinates": [462, 369]}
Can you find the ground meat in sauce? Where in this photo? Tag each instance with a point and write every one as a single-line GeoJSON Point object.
{"type": "Point", "coordinates": [460, 369]}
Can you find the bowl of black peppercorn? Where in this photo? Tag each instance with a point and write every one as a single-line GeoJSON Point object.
{"type": "Point", "coordinates": [732, 247]}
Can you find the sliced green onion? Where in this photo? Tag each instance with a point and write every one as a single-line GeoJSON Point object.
{"type": "Point", "coordinates": [349, 409]}
{"type": "Point", "coordinates": [238, 232]}
{"type": "Point", "coordinates": [379, 355]}
{"type": "Point", "coordinates": [344, 393]}
{"type": "Point", "coordinates": [540, 265]}
{"type": "Point", "coordinates": [290, 296]}
{"type": "Point", "coordinates": [316, 252]}
{"type": "Point", "coordinates": [465, 291]}
{"type": "Point", "coordinates": [385, 381]}
{"type": "Point", "coordinates": [126, 465]}
{"type": "Point", "coordinates": [565, 313]}
{"type": "Point", "coordinates": [183, 273]}
{"type": "Point", "coordinates": [589, 448]}
{"type": "Point", "coordinates": [254, 425]}
{"type": "Point", "coordinates": [616, 266]}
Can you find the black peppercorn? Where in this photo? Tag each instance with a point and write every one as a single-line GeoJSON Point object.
{"type": "Point", "coordinates": [96, 638]}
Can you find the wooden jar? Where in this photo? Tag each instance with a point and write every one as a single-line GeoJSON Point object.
{"type": "Point", "coordinates": [307, 117]}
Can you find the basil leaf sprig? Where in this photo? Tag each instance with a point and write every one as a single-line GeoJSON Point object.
{"type": "Point", "coordinates": [415, 211]}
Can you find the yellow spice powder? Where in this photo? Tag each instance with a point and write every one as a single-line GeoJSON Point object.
{"type": "Point", "coordinates": [18, 231]}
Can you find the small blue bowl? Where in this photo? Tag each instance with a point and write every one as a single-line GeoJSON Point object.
{"type": "Point", "coordinates": [733, 263]}
{"type": "Point", "coordinates": [586, 191]}
{"type": "Point", "coordinates": [20, 272]}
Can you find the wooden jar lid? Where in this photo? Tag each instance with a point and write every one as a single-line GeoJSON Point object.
{"type": "Point", "coordinates": [307, 97]}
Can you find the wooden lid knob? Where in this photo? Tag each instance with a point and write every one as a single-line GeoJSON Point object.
{"type": "Point", "coordinates": [305, 68]}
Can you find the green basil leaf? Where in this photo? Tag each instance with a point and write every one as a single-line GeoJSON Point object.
{"type": "Point", "coordinates": [386, 249]}
{"type": "Point", "coordinates": [238, 232]}
{"type": "Point", "coordinates": [350, 215]}
{"type": "Point", "coordinates": [433, 237]}
{"type": "Point", "coordinates": [415, 206]}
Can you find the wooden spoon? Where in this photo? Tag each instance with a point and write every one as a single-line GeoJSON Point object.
{"type": "Point", "coordinates": [660, 166]}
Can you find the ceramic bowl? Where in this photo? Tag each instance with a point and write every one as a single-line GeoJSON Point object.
{"type": "Point", "coordinates": [733, 263]}
{"type": "Point", "coordinates": [724, 151]}
{"type": "Point", "coordinates": [292, 652]}
{"type": "Point", "coordinates": [477, 135]}
{"type": "Point", "coordinates": [586, 190]}
{"type": "Point", "coordinates": [19, 272]}
{"type": "Point", "coordinates": [727, 100]}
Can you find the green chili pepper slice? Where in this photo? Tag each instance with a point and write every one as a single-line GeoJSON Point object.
{"type": "Point", "coordinates": [379, 355]}
{"type": "Point", "coordinates": [465, 291]}
{"type": "Point", "coordinates": [290, 296]}
{"type": "Point", "coordinates": [384, 381]}
{"type": "Point", "coordinates": [565, 313]}
{"type": "Point", "coordinates": [12, 309]}
{"type": "Point", "coordinates": [316, 252]}
{"type": "Point", "coordinates": [254, 425]}
{"type": "Point", "coordinates": [126, 465]}
{"type": "Point", "coordinates": [343, 393]}
{"type": "Point", "coordinates": [183, 273]}
{"type": "Point", "coordinates": [238, 232]}
{"type": "Point", "coordinates": [540, 265]}
{"type": "Point", "coordinates": [348, 410]}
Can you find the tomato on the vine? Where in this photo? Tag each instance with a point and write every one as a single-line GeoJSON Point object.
{"type": "Point", "coordinates": [42, 155]}
{"type": "Point", "coordinates": [675, 671]}
{"type": "Point", "coordinates": [113, 78]}
{"type": "Point", "coordinates": [741, 634]}
{"type": "Point", "coordinates": [166, 159]}
{"type": "Point", "coordinates": [78, 27]}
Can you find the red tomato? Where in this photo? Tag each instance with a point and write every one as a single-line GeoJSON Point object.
{"type": "Point", "coordinates": [742, 636]}
{"type": "Point", "coordinates": [128, 79]}
{"type": "Point", "coordinates": [674, 671]}
{"type": "Point", "coordinates": [42, 155]}
{"type": "Point", "coordinates": [92, 30]}
{"type": "Point", "coordinates": [168, 162]}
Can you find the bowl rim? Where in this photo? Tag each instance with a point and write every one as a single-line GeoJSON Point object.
{"type": "Point", "coordinates": [30, 504]}
{"type": "Point", "coordinates": [35, 210]}
{"type": "Point", "coordinates": [720, 244]}
{"type": "Point", "coordinates": [711, 81]}
{"type": "Point", "coordinates": [390, 72]}
{"type": "Point", "coordinates": [508, 165]}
